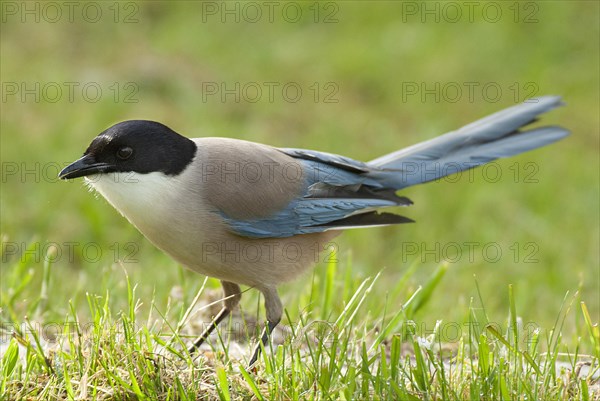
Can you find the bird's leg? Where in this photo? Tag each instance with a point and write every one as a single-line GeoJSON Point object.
{"type": "Point", "coordinates": [273, 310]}
{"type": "Point", "coordinates": [232, 295]}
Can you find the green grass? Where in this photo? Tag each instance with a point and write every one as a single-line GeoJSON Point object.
{"type": "Point", "coordinates": [476, 327]}
{"type": "Point", "coordinates": [355, 355]}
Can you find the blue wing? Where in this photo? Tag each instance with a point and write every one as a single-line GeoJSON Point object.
{"type": "Point", "coordinates": [338, 194]}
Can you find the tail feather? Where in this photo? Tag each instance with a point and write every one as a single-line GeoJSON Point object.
{"type": "Point", "coordinates": [368, 219]}
{"type": "Point", "coordinates": [480, 142]}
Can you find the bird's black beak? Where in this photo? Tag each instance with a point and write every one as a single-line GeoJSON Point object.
{"type": "Point", "coordinates": [83, 167]}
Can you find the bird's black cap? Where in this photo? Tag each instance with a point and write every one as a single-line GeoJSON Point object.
{"type": "Point", "coordinates": [139, 146]}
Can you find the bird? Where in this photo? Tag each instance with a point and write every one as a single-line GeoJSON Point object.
{"type": "Point", "coordinates": [255, 215]}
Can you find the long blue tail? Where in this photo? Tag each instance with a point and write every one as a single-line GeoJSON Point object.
{"type": "Point", "coordinates": [490, 138]}
{"type": "Point", "coordinates": [345, 193]}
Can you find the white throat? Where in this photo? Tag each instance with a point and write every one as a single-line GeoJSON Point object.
{"type": "Point", "coordinates": [141, 198]}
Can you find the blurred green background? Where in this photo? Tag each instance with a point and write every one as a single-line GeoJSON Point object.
{"type": "Point", "coordinates": [374, 77]}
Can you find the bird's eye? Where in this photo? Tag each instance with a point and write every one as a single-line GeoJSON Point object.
{"type": "Point", "coordinates": [124, 153]}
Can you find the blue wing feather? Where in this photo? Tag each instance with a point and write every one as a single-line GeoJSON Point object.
{"type": "Point", "coordinates": [303, 216]}
{"type": "Point", "coordinates": [310, 215]}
